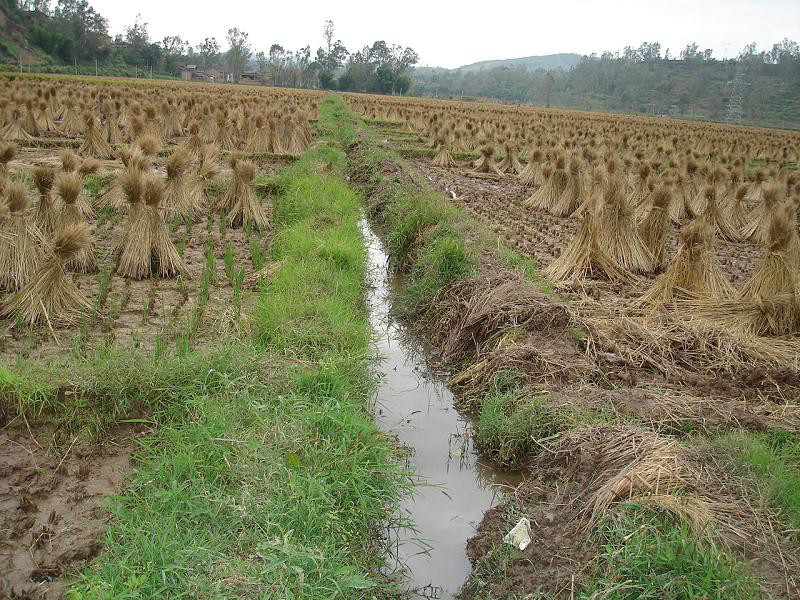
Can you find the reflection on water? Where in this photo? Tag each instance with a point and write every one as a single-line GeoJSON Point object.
{"type": "Point", "coordinates": [453, 487]}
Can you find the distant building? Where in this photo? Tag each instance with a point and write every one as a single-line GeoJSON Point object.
{"type": "Point", "coordinates": [188, 72]}
{"type": "Point", "coordinates": [193, 73]}
{"type": "Point", "coordinates": [249, 77]}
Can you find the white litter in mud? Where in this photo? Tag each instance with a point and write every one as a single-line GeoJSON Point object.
{"type": "Point", "coordinates": [520, 535]}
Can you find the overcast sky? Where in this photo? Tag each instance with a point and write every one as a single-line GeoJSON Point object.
{"type": "Point", "coordinates": [451, 34]}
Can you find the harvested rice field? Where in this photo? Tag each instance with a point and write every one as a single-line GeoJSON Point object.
{"type": "Point", "coordinates": [261, 342]}
{"type": "Point", "coordinates": [617, 284]}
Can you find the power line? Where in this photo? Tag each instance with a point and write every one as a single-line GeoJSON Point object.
{"type": "Point", "coordinates": [736, 99]}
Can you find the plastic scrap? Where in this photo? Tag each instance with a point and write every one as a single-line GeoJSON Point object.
{"type": "Point", "coordinates": [520, 535]}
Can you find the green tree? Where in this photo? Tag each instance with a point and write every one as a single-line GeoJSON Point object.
{"type": "Point", "coordinates": [209, 53]}
{"type": "Point", "coordinates": [238, 52]}
{"type": "Point", "coordinates": [173, 49]}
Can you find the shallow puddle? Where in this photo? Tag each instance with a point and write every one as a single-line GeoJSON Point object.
{"type": "Point", "coordinates": [454, 487]}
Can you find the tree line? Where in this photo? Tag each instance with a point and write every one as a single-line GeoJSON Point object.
{"type": "Point", "coordinates": [643, 79]}
{"type": "Point", "coordinates": [72, 32]}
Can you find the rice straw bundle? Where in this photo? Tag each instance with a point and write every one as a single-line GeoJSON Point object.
{"type": "Point", "coordinates": [50, 296]}
{"type": "Point", "coordinates": [240, 199]}
{"type": "Point", "coordinates": [443, 158]}
{"type": "Point", "coordinates": [747, 317]}
{"type": "Point", "coordinates": [149, 145]}
{"type": "Point", "coordinates": [71, 123]}
{"type": "Point", "coordinates": [153, 126]}
{"type": "Point", "coordinates": [618, 234]}
{"type": "Point", "coordinates": [756, 191]}
{"type": "Point", "coordinates": [226, 133]}
{"type": "Point", "coordinates": [13, 130]}
{"type": "Point", "coordinates": [260, 138]}
{"type": "Point", "coordinates": [94, 144]}
{"type": "Point", "coordinates": [689, 187]}
{"type": "Point", "coordinates": [655, 227]}
{"type": "Point", "coordinates": [46, 211]}
{"type": "Point", "coordinates": [46, 118]}
{"type": "Point", "coordinates": [7, 153]}
{"type": "Point", "coordinates": [133, 161]}
{"type": "Point", "coordinates": [69, 162]}
{"type": "Point", "coordinates": [298, 137]}
{"type": "Point", "coordinates": [172, 123]}
{"type": "Point", "coordinates": [532, 171]}
{"type": "Point", "coordinates": [69, 187]}
{"type": "Point", "coordinates": [182, 194]}
{"type": "Point", "coordinates": [111, 131]}
{"type": "Point", "coordinates": [485, 164]}
{"type": "Point", "coordinates": [29, 122]}
{"type": "Point", "coordinates": [146, 248]}
{"type": "Point", "coordinates": [778, 272]}
{"type": "Point", "coordinates": [548, 194]}
{"type": "Point", "coordinates": [694, 270]}
{"type": "Point", "coordinates": [89, 166]}
{"type": "Point", "coordinates": [641, 189]}
{"type": "Point", "coordinates": [677, 207]}
{"type": "Point", "coordinates": [275, 138]}
{"type": "Point", "coordinates": [761, 217]}
{"type": "Point", "coordinates": [208, 126]}
{"type": "Point", "coordinates": [737, 215]}
{"type": "Point", "coordinates": [131, 190]}
{"type": "Point", "coordinates": [716, 218]}
{"type": "Point", "coordinates": [193, 143]}
{"type": "Point", "coordinates": [510, 162]}
{"type": "Point", "coordinates": [574, 191]}
{"type": "Point", "coordinates": [21, 247]}
{"type": "Point", "coordinates": [584, 256]}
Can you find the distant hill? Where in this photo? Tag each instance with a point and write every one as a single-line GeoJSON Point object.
{"type": "Point", "coordinates": [560, 62]}
{"type": "Point", "coordinates": [15, 35]}
{"type": "Point", "coordinates": [694, 88]}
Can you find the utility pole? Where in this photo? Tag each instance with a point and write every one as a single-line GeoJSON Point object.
{"type": "Point", "coordinates": [95, 67]}
{"type": "Point", "coordinates": [736, 99]}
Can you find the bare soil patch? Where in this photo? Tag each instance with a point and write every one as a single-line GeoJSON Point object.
{"type": "Point", "coordinates": [53, 505]}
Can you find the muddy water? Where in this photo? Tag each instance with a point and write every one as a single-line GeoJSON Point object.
{"type": "Point", "coordinates": [453, 487]}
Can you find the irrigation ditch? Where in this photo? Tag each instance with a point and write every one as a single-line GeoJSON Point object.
{"type": "Point", "coordinates": [453, 488]}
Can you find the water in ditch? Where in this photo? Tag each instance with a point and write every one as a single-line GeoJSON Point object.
{"type": "Point", "coordinates": [453, 488]}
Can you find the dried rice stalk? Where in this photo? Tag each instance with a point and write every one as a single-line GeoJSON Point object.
{"type": "Point", "coordinates": [146, 248]}
{"type": "Point", "coordinates": [94, 144]}
{"type": "Point", "coordinates": [182, 194]}
{"type": "Point", "coordinates": [655, 227]}
{"type": "Point", "coordinates": [51, 296]}
{"type": "Point", "coordinates": [693, 270]}
{"type": "Point", "coordinates": [240, 200]}
{"type": "Point", "coordinates": [69, 187]}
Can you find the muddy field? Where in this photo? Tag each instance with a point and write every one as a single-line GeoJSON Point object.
{"type": "Point", "coordinates": [53, 504]}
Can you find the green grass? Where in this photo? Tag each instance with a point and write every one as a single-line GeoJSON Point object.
{"type": "Point", "coordinates": [267, 490]}
{"type": "Point", "coordinates": [97, 185]}
{"type": "Point", "coordinates": [510, 418]}
{"type": "Point", "coordinates": [308, 308]}
{"type": "Point", "coordinates": [644, 554]}
{"type": "Point", "coordinates": [772, 461]}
